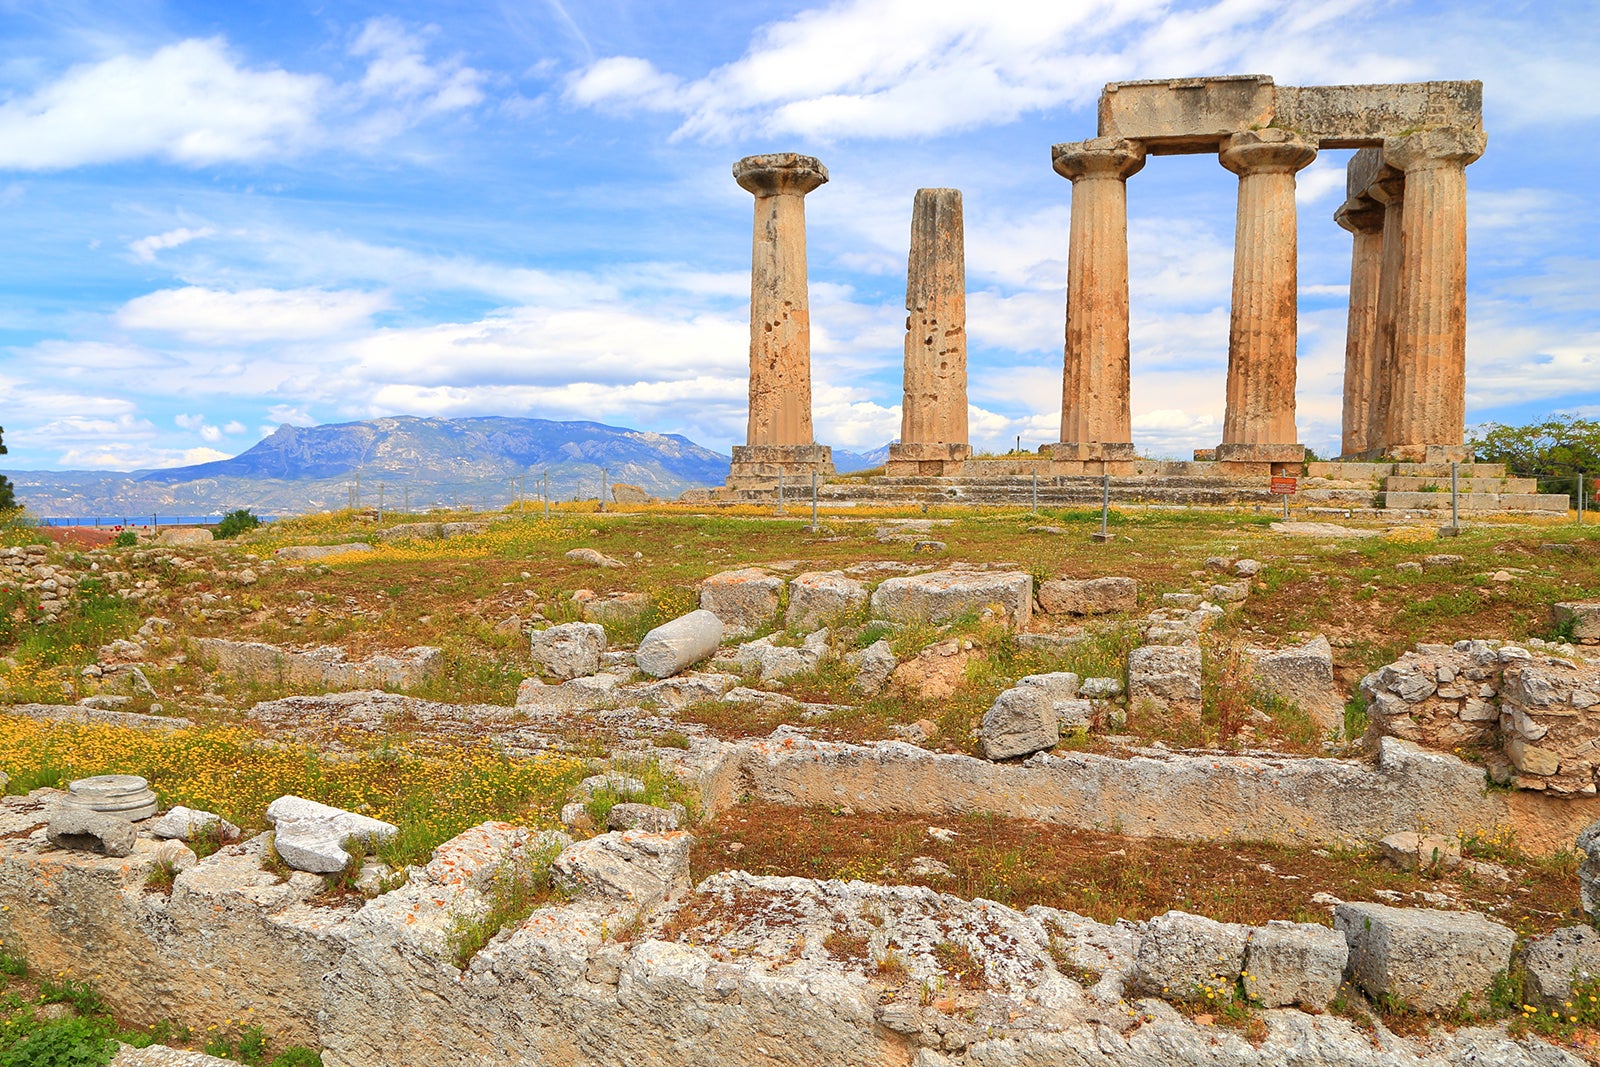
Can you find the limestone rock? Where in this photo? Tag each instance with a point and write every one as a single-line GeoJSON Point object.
{"type": "Point", "coordinates": [305, 553]}
{"type": "Point", "coordinates": [616, 609]}
{"type": "Point", "coordinates": [677, 645]}
{"type": "Point", "coordinates": [1181, 956]}
{"type": "Point", "coordinates": [1557, 960]}
{"type": "Point", "coordinates": [1424, 958]}
{"type": "Point", "coordinates": [85, 830]}
{"type": "Point", "coordinates": [1246, 568]}
{"type": "Point", "coordinates": [1021, 721]}
{"type": "Point", "coordinates": [815, 597]}
{"type": "Point", "coordinates": [1166, 676]}
{"type": "Point", "coordinates": [631, 867]}
{"type": "Point", "coordinates": [1295, 963]}
{"type": "Point", "coordinates": [189, 535]}
{"type": "Point", "coordinates": [874, 665]}
{"type": "Point", "coordinates": [176, 854]}
{"type": "Point", "coordinates": [412, 531]}
{"type": "Point", "coordinates": [570, 650]}
{"type": "Point", "coordinates": [1228, 593]}
{"type": "Point", "coordinates": [1302, 674]}
{"type": "Point", "coordinates": [942, 595]}
{"type": "Point", "coordinates": [745, 600]}
{"type": "Point", "coordinates": [310, 836]}
{"type": "Point", "coordinates": [646, 817]}
{"type": "Point", "coordinates": [185, 824]}
{"type": "Point", "coordinates": [1582, 616]}
{"type": "Point", "coordinates": [1409, 850]}
{"type": "Point", "coordinates": [935, 672]}
{"type": "Point", "coordinates": [593, 557]}
{"type": "Point", "coordinates": [1093, 596]}
{"type": "Point", "coordinates": [770, 662]}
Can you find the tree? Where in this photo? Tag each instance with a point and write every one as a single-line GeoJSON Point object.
{"type": "Point", "coordinates": [8, 496]}
{"type": "Point", "coordinates": [234, 523]}
{"type": "Point", "coordinates": [1555, 451]}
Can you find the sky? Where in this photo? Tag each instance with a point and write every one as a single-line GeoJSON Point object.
{"type": "Point", "coordinates": [220, 218]}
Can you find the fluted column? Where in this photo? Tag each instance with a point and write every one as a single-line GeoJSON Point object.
{"type": "Point", "coordinates": [933, 420]}
{"type": "Point", "coordinates": [1389, 190]}
{"type": "Point", "coordinates": [1427, 412]}
{"type": "Point", "coordinates": [779, 436]}
{"type": "Point", "coordinates": [1258, 425]}
{"type": "Point", "coordinates": [1364, 219]}
{"type": "Point", "coordinates": [1096, 423]}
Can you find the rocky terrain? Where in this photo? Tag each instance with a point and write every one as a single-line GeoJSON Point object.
{"type": "Point", "coordinates": [935, 790]}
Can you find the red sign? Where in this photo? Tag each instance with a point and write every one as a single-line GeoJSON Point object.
{"type": "Point", "coordinates": [1283, 486]}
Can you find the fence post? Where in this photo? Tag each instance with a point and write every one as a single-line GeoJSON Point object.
{"type": "Point", "coordinates": [813, 501]}
{"type": "Point", "coordinates": [1580, 498]}
{"type": "Point", "coordinates": [602, 489]}
{"type": "Point", "coordinates": [1104, 534]}
{"type": "Point", "coordinates": [380, 505]}
{"type": "Point", "coordinates": [780, 491]}
{"type": "Point", "coordinates": [1036, 492]}
{"type": "Point", "coordinates": [546, 496]}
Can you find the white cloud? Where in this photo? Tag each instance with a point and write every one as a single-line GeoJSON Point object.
{"type": "Point", "coordinates": [145, 248]}
{"type": "Point", "coordinates": [202, 314]}
{"type": "Point", "coordinates": [191, 102]}
{"type": "Point", "coordinates": [912, 68]}
{"type": "Point", "coordinates": [122, 456]}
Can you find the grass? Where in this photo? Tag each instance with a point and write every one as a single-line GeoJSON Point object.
{"type": "Point", "coordinates": [515, 890]}
{"type": "Point", "coordinates": [1107, 876]}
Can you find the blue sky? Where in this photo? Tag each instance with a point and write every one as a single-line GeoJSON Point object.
{"type": "Point", "coordinates": [222, 217]}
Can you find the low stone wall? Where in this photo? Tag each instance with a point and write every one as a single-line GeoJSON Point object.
{"type": "Point", "coordinates": [321, 668]}
{"type": "Point", "coordinates": [1191, 797]}
{"type": "Point", "coordinates": [745, 971]}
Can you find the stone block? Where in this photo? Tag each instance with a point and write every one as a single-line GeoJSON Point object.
{"type": "Point", "coordinates": [593, 557]}
{"type": "Point", "coordinates": [616, 609]}
{"type": "Point", "coordinates": [570, 650]}
{"type": "Point", "coordinates": [1554, 962]}
{"type": "Point", "coordinates": [1166, 676]}
{"type": "Point", "coordinates": [1429, 960]}
{"type": "Point", "coordinates": [85, 830]}
{"type": "Point", "coordinates": [1582, 616]}
{"type": "Point", "coordinates": [745, 600]}
{"type": "Point", "coordinates": [1092, 596]}
{"type": "Point", "coordinates": [1294, 963]}
{"type": "Point", "coordinates": [1228, 593]}
{"type": "Point", "coordinates": [189, 535]}
{"type": "Point", "coordinates": [771, 662]}
{"type": "Point", "coordinates": [1409, 850]}
{"type": "Point", "coordinates": [631, 868]}
{"type": "Point", "coordinates": [1183, 956]}
{"type": "Point", "coordinates": [677, 645]}
{"type": "Point", "coordinates": [310, 836]}
{"type": "Point", "coordinates": [1021, 721]}
{"type": "Point", "coordinates": [815, 597]}
{"type": "Point", "coordinates": [185, 824]}
{"type": "Point", "coordinates": [874, 665]}
{"type": "Point", "coordinates": [943, 595]}
{"type": "Point", "coordinates": [1302, 674]}
{"type": "Point", "coordinates": [310, 553]}
{"type": "Point", "coordinates": [646, 817]}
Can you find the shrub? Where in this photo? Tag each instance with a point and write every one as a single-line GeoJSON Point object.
{"type": "Point", "coordinates": [125, 539]}
{"type": "Point", "coordinates": [235, 523]}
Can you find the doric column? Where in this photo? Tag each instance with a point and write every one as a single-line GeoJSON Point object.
{"type": "Point", "coordinates": [933, 420]}
{"type": "Point", "coordinates": [1388, 189]}
{"type": "Point", "coordinates": [1096, 424]}
{"type": "Point", "coordinates": [779, 437]}
{"type": "Point", "coordinates": [1427, 412]}
{"type": "Point", "coordinates": [1364, 219]}
{"type": "Point", "coordinates": [1258, 425]}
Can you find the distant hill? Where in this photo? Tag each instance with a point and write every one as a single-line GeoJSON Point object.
{"type": "Point", "coordinates": [417, 461]}
{"type": "Point", "coordinates": [849, 462]}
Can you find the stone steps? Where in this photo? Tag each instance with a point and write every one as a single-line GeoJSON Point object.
{"type": "Point", "coordinates": [1501, 484]}
{"type": "Point", "coordinates": [1543, 502]}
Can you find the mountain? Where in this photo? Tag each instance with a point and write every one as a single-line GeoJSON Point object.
{"type": "Point", "coordinates": [849, 462]}
{"type": "Point", "coordinates": [417, 462]}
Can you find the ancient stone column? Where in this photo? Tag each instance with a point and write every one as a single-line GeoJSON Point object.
{"type": "Point", "coordinates": [1427, 411]}
{"type": "Point", "coordinates": [779, 438]}
{"type": "Point", "coordinates": [1096, 422]}
{"type": "Point", "coordinates": [1258, 425]}
{"type": "Point", "coordinates": [1388, 188]}
{"type": "Point", "coordinates": [1364, 219]}
{"type": "Point", "coordinates": [933, 420]}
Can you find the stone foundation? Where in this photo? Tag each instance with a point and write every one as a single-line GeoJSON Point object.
{"type": "Point", "coordinates": [935, 460]}
{"type": "Point", "coordinates": [759, 466]}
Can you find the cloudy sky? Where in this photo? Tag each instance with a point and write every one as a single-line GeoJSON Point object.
{"type": "Point", "coordinates": [218, 218]}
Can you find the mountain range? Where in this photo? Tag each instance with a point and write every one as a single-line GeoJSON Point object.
{"type": "Point", "coordinates": [411, 462]}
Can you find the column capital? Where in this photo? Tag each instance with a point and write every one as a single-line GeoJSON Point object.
{"type": "Point", "coordinates": [1100, 157]}
{"type": "Point", "coordinates": [1440, 146]}
{"type": "Point", "coordinates": [1360, 214]}
{"type": "Point", "coordinates": [1389, 187]}
{"type": "Point", "coordinates": [778, 173]}
{"type": "Point", "coordinates": [1268, 151]}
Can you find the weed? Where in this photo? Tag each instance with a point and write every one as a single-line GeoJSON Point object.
{"type": "Point", "coordinates": [958, 961]}
{"type": "Point", "coordinates": [12, 966]}
{"type": "Point", "coordinates": [845, 947]}
{"type": "Point", "coordinates": [161, 877]}
{"type": "Point", "coordinates": [81, 995]}
{"type": "Point", "coordinates": [515, 890]}
{"type": "Point", "coordinates": [1355, 716]}
{"type": "Point", "coordinates": [890, 966]}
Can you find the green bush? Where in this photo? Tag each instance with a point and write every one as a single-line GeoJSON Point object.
{"type": "Point", "coordinates": [125, 539]}
{"type": "Point", "coordinates": [235, 523]}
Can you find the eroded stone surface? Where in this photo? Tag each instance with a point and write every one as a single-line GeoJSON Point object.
{"type": "Point", "coordinates": [745, 600]}
{"type": "Point", "coordinates": [942, 595]}
{"type": "Point", "coordinates": [570, 650]}
{"type": "Point", "coordinates": [1430, 960]}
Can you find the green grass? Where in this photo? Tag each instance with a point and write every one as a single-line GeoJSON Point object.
{"type": "Point", "coordinates": [516, 889]}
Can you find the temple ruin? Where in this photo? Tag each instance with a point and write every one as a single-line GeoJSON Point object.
{"type": "Point", "coordinates": [1404, 382]}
